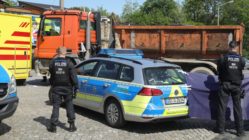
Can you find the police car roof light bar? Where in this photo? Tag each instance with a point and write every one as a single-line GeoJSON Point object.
{"type": "Point", "coordinates": [123, 53]}
{"type": "Point", "coordinates": [108, 56]}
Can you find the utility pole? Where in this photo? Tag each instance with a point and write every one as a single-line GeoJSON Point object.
{"type": "Point", "coordinates": [62, 4]}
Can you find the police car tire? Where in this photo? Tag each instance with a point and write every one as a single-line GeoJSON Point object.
{"type": "Point", "coordinates": [120, 121]}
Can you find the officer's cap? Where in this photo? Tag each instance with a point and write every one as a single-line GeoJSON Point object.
{"type": "Point", "coordinates": [233, 44]}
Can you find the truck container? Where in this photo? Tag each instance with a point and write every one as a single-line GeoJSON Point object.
{"type": "Point", "coordinates": [194, 48]}
{"type": "Point", "coordinates": [15, 44]}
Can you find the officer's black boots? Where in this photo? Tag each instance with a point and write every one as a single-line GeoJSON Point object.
{"type": "Point", "coordinates": [217, 130]}
{"type": "Point", "coordinates": [52, 128]}
{"type": "Point", "coordinates": [240, 133]}
{"type": "Point", "coordinates": [72, 127]}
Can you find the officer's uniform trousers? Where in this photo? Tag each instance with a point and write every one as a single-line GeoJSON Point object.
{"type": "Point", "coordinates": [234, 90]}
{"type": "Point", "coordinates": [60, 93]}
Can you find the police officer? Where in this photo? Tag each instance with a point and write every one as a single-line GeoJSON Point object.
{"type": "Point", "coordinates": [64, 86]}
{"type": "Point", "coordinates": [230, 74]}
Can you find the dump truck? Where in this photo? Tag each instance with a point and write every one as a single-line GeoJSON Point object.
{"type": "Point", "coordinates": [78, 31]}
{"type": "Point", "coordinates": [194, 48]}
{"type": "Point", "coordinates": [15, 45]}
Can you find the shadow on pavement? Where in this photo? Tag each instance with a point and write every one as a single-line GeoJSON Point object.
{"type": "Point", "coordinates": [90, 114]}
{"type": "Point", "coordinates": [4, 128]}
{"type": "Point", "coordinates": [37, 82]}
{"type": "Point", "coordinates": [162, 126]}
{"type": "Point", "coordinates": [154, 127]}
{"type": "Point", "coordinates": [46, 122]}
{"type": "Point", "coordinates": [173, 125]}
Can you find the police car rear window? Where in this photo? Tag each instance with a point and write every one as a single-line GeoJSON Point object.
{"type": "Point", "coordinates": [163, 76]}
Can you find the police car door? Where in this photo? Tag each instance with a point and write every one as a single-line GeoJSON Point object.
{"type": "Point", "coordinates": [85, 72]}
{"type": "Point", "coordinates": [107, 75]}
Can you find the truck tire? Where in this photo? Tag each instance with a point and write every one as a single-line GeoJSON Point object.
{"type": "Point", "coordinates": [203, 70]}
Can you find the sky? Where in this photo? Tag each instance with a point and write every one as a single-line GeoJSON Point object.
{"type": "Point", "coordinates": [115, 6]}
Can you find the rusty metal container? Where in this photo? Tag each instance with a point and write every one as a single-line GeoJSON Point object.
{"type": "Point", "coordinates": [185, 42]}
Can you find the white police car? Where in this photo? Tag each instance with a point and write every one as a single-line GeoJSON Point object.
{"type": "Point", "coordinates": [126, 87]}
{"type": "Point", "coordinates": [8, 94]}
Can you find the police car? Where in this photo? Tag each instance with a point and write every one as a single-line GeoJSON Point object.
{"type": "Point", "coordinates": [124, 86]}
{"type": "Point", "coordinates": [8, 97]}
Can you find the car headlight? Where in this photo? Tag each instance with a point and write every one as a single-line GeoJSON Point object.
{"type": "Point", "coordinates": [12, 85]}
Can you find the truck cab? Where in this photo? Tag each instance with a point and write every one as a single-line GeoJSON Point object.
{"type": "Point", "coordinates": [78, 31]}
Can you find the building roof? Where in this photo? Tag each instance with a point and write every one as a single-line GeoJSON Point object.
{"type": "Point", "coordinates": [38, 5]}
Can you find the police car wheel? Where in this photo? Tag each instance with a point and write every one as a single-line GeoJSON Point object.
{"type": "Point", "coordinates": [113, 114]}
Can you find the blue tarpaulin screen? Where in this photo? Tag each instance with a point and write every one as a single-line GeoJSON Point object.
{"type": "Point", "coordinates": [202, 98]}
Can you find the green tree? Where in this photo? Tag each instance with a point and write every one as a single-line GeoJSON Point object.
{"type": "Point", "coordinates": [155, 12]}
{"type": "Point", "coordinates": [235, 14]}
{"type": "Point", "coordinates": [129, 9]}
{"type": "Point", "coordinates": [11, 2]}
{"type": "Point", "coordinates": [103, 11]}
{"type": "Point", "coordinates": [87, 9]}
{"type": "Point", "coordinates": [201, 11]}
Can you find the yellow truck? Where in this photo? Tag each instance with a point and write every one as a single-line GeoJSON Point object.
{"type": "Point", "coordinates": [16, 44]}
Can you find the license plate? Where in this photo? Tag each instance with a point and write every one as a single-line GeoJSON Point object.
{"type": "Point", "coordinates": [178, 100]}
{"type": "Point", "coordinates": [1, 90]}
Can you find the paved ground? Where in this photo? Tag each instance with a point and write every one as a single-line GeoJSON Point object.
{"type": "Point", "coordinates": [32, 116]}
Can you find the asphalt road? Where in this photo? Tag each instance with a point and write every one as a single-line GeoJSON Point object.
{"type": "Point", "coordinates": [32, 117]}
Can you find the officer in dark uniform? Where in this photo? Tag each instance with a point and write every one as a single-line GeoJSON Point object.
{"type": "Point", "coordinates": [230, 74]}
{"type": "Point", "coordinates": [64, 86]}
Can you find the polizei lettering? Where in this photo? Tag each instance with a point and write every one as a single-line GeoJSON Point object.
{"type": "Point", "coordinates": [60, 64]}
{"type": "Point", "coordinates": [233, 59]}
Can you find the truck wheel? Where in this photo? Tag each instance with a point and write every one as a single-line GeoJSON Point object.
{"type": "Point", "coordinates": [203, 70]}
{"type": "Point", "coordinates": [113, 114]}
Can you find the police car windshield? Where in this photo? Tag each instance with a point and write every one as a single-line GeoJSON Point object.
{"type": "Point", "coordinates": [164, 76]}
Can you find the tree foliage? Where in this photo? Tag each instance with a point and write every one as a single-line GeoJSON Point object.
{"type": "Point", "coordinates": [103, 11]}
{"type": "Point", "coordinates": [201, 11]}
{"type": "Point", "coordinates": [153, 12]}
{"type": "Point", "coordinates": [129, 11]}
{"type": "Point", "coordinates": [87, 9]}
{"type": "Point", "coordinates": [11, 2]}
{"type": "Point", "coordinates": [238, 13]}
